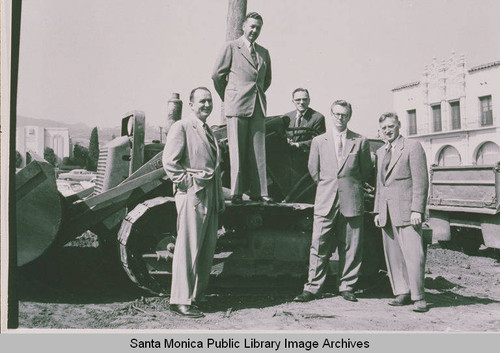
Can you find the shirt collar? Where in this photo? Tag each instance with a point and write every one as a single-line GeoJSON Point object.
{"type": "Point", "coordinates": [393, 143]}
{"type": "Point", "coordinates": [247, 43]}
{"type": "Point", "coordinates": [299, 114]}
{"type": "Point", "coordinates": [197, 121]}
{"type": "Point", "coordinates": [342, 134]}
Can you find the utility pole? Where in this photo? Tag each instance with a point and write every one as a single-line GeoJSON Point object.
{"type": "Point", "coordinates": [236, 12]}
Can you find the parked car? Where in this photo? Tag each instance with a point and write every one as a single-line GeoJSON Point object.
{"type": "Point", "coordinates": [78, 175]}
{"type": "Point", "coordinates": [68, 188]}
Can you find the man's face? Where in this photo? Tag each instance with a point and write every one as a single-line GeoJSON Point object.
{"type": "Point", "coordinates": [340, 117]}
{"type": "Point", "coordinates": [301, 101]}
{"type": "Point", "coordinates": [390, 129]}
{"type": "Point", "coordinates": [251, 29]}
{"type": "Point", "coordinates": [202, 104]}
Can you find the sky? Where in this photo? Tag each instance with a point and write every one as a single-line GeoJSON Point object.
{"type": "Point", "coordinates": [93, 61]}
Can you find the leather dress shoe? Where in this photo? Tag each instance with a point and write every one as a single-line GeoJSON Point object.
{"type": "Point", "coordinates": [348, 295]}
{"type": "Point", "coordinates": [420, 306]}
{"type": "Point", "coordinates": [303, 297]}
{"type": "Point", "coordinates": [236, 199]}
{"type": "Point", "coordinates": [186, 310]}
{"type": "Point", "coordinates": [400, 300]}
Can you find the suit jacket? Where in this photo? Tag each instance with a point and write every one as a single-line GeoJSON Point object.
{"type": "Point", "coordinates": [238, 81]}
{"type": "Point", "coordinates": [406, 186]}
{"type": "Point", "coordinates": [347, 179]}
{"type": "Point", "coordinates": [311, 119]}
{"type": "Point", "coordinates": [189, 161]}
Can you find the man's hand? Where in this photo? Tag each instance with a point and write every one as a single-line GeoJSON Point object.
{"type": "Point", "coordinates": [416, 219]}
{"type": "Point", "coordinates": [293, 144]}
{"type": "Point", "coordinates": [369, 191]}
{"type": "Point", "coordinates": [377, 221]}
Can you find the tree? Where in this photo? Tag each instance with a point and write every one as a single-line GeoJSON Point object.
{"type": "Point", "coordinates": [80, 155]}
{"type": "Point", "coordinates": [50, 156]}
{"type": "Point", "coordinates": [19, 159]}
{"type": "Point", "coordinates": [93, 156]}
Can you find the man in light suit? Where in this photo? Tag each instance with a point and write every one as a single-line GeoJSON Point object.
{"type": "Point", "coordinates": [191, 160]}
{"type": "Point", "coordinates": [303, 117]}
{"type": "Point", "coordinates": [340, 164]}
{"type": "Point", "coordinates": [400, 200]}
{"type": "Point", "coordinates": [241, 77]}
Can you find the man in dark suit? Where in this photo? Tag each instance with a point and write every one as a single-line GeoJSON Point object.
{"type": "Point", "coordinates": [340, 164]}
{"type": "Point", "coordinates": [402, 187]}
{"type": "Point", "coordinates": [303, 117]}
{"type": "Point", "coordinates": [241, 76]}
{"type": "Point", "coordinates": [192, 161]}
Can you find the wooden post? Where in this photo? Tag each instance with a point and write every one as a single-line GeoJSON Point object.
{"type": "Point", "coordinates": [236, 12]}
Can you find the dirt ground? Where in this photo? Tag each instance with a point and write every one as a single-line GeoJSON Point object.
{"type": "Point", "coordinates": [78, 287]}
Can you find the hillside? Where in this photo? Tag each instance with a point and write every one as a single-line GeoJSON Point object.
{"type": "Point", "coordinates": [80, 132]}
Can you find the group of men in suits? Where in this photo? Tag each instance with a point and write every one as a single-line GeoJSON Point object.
{"type": "Point", "coordinates": [339, 162]}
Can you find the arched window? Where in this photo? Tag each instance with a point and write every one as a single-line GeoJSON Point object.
{"type": "Point", "coordinates": [488, 153]}
{"type": "Point", "coordinates": [449, 156]}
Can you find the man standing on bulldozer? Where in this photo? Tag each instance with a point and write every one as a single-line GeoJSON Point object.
{"type": "Point", "coordinates": [191, 160]}
{"type": "Point", "coordinates": [241, 77]}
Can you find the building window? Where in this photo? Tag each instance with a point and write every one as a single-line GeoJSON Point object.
{"type": "Point", "coordinates": [436, 118]}
{"type": "Point", "coordinates": [449, 156]}
{"type": "Point", "coordinates": [455, 115]}
{"type": "Point", "coordinates": [412, 122]}
{"type": "Point", "coordinates": [488, 153]}
{"type": "Point", "coordinates": [486, 111]}
{"type": "Point", "coordinates": [31, 131]}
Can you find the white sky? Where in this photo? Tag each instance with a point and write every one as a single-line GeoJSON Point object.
{"type": "Point", "coordinates": [92, 61]}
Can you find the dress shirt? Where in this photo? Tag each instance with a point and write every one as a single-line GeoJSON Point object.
{"type": "Point", "coordinates": [392, 144]}
{"type": "Point", "coordinates": [248, 45]}
{"type": "Point", "coordinates": [337, 137]}
{"type": "Point", "coordinates": [300, 118]}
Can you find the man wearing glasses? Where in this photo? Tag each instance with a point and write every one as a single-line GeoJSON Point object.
{"type": "Point", "coordinates": [340, 164]}
{"type": "Point", "coordinates": [305, 122]}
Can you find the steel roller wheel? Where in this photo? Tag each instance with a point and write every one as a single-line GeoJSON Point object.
{"type": "Point", "coordinates": [146, 242]}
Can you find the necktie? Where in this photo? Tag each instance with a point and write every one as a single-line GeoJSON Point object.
{"type": "Point", "coordinates": [299, 120]}
{"type": "Point", "coordinates": [210, 137]}
{"type": "Point", "coordinates": [385, 163]}
{"type": "Point", "coordinates": [254, 56]}
{"type": "Point", "coordinates": [340, 152]}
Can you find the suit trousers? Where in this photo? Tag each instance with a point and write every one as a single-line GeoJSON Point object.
{"type": "Point", "coordinates": [247, 153]}
{"type": "Point", "coordinates": [405, 258]}
{"type": "Point", "coordinates": [330, 232]}
{"type": "Point", "coordinates": [197, 223]}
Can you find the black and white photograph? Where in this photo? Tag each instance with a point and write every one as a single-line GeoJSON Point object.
{"type": "Point", "coordinates": [236, 166]}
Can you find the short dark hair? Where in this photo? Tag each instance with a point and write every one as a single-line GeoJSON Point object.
{"type": "Point", "coordinates": [255, 16]}
{"type": "Point", "coordinates": [342, 103]}
{"type": "Point", "coordinates": [191, 96]}
{"type": "Point", "coordinates": [300, 89]}
{"type": "Point", "coordinates": [388, 115]}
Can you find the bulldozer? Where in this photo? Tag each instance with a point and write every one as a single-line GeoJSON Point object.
{"type": "Point", "coordinates": [132, 211]}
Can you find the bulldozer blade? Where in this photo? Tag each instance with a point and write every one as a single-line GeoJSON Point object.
{"type": "Point", "coordinates": [38, 210]}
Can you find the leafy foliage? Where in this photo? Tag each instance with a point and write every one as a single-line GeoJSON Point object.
{"type": "Point", "coordinates": [93, 152]}
{"type": "Point", "coordinates": [50, 156]}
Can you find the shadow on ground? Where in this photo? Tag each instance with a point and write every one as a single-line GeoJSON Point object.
{"type": "Point", "coordinates": [91, 275]}
{"type": "Point", "coordinates": [75, 275]}
{"type": "Point", "coordinates": [451, 299]}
